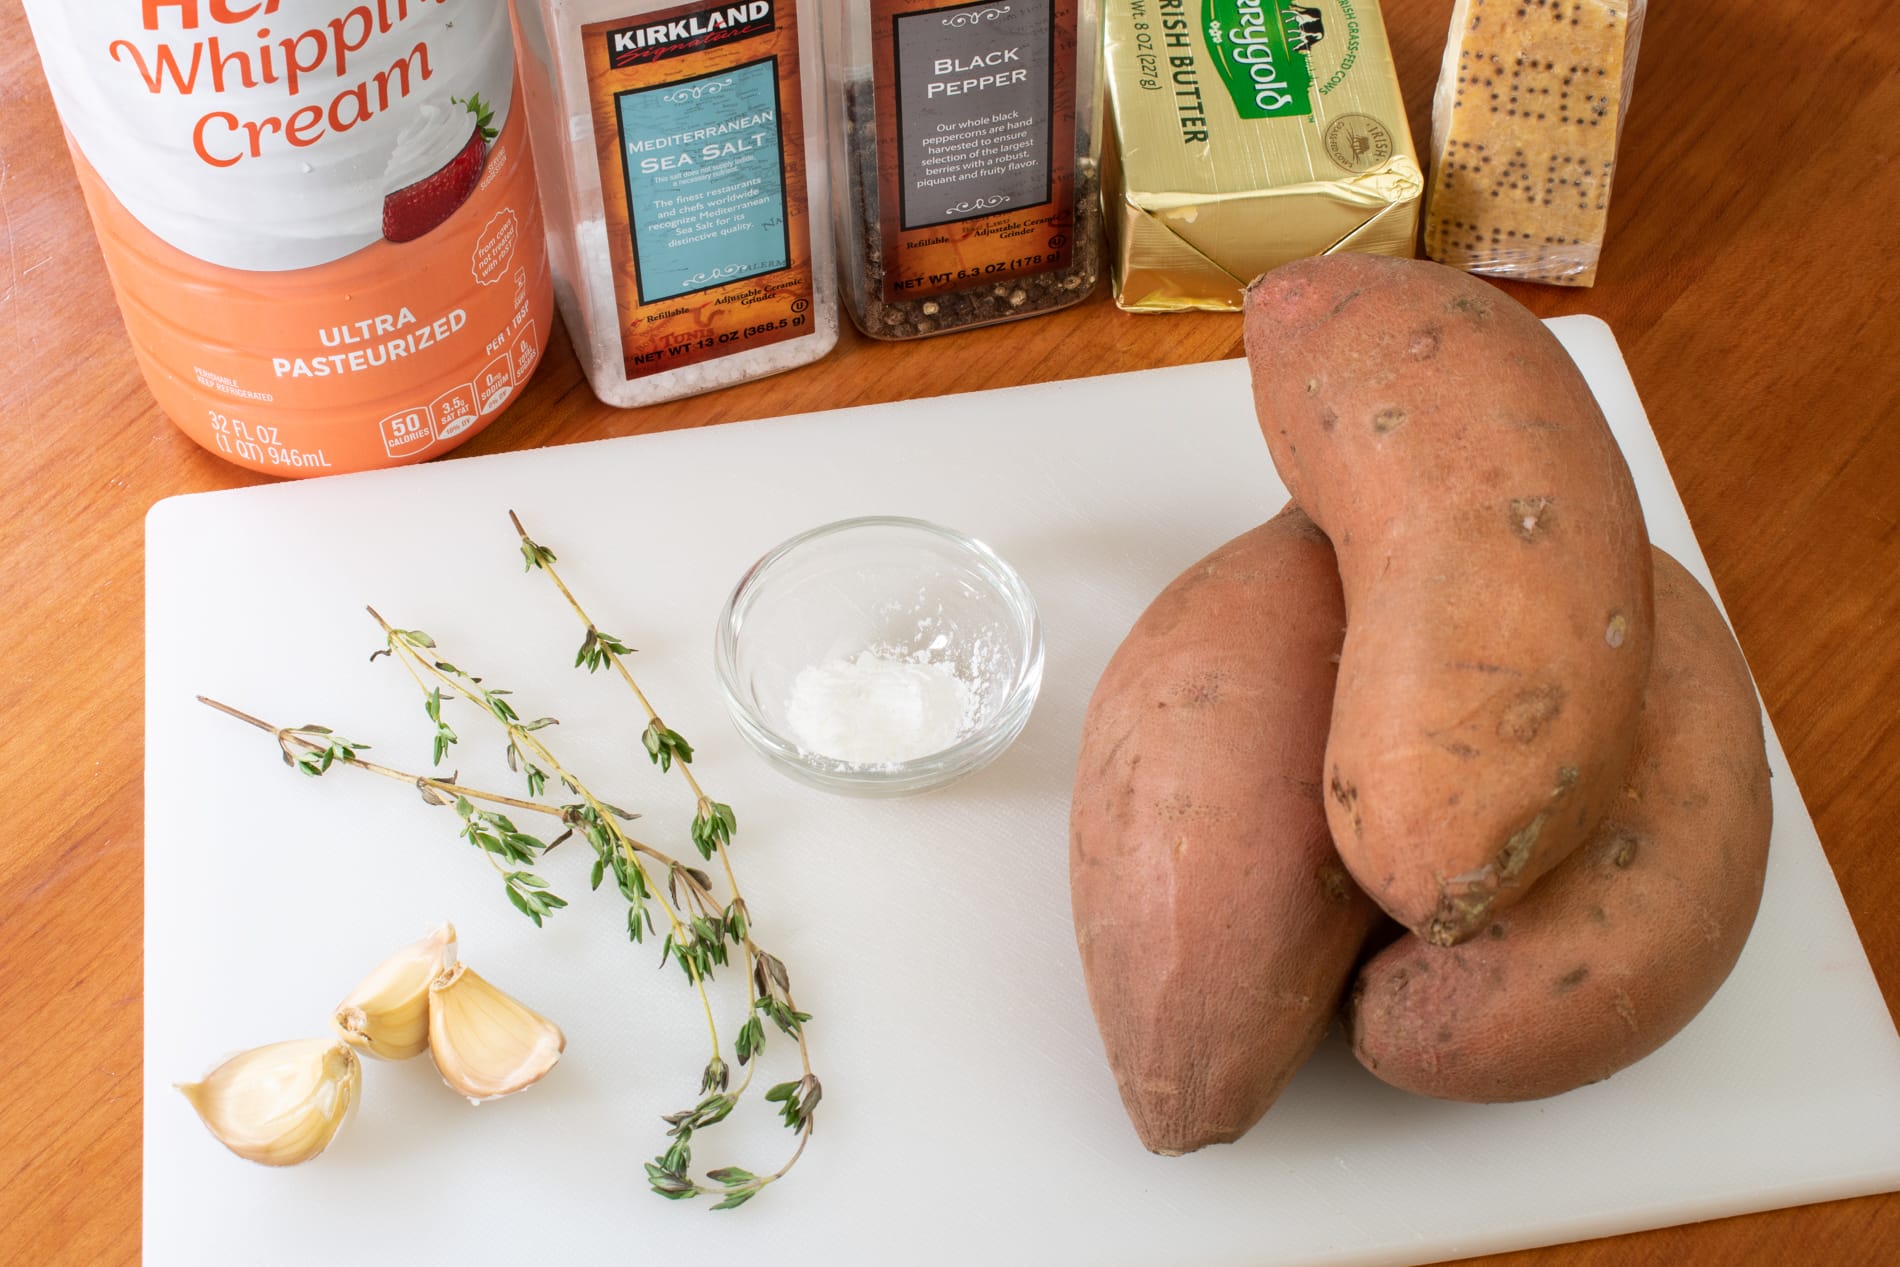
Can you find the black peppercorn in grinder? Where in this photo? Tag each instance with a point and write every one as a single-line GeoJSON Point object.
{"type": "Point", "coordinates": [965, 147]}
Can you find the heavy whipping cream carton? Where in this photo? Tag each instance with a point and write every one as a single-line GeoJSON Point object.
{"type": "Point", "coordinates": [319, 217]}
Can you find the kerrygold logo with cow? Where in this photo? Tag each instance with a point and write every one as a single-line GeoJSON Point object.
{"type": "Point", "coordinates": [1260, 49]}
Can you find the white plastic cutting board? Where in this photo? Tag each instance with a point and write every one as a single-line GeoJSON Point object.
{"type": "Point", "coordinates": [969, 1116]}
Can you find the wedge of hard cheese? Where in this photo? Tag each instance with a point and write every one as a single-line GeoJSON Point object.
{"type": "Point", "coordinates": [1524, 129]}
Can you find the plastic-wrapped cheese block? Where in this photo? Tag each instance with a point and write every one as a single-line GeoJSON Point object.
{"type": "Point", "coordinates": [1530, 103]}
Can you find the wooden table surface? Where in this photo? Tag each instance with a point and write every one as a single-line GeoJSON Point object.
{"type": "Point", "coordinates": [1750, 277]}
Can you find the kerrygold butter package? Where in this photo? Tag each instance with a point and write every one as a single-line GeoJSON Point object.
{"type": "Point", "coordinates": [1246, 133]}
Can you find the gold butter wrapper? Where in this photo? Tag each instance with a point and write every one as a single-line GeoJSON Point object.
{"type": "Point", "coordinates": [1247, 133]}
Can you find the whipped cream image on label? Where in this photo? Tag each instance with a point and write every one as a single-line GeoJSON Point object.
{"type": "Point", "coordinates": [431, 141]}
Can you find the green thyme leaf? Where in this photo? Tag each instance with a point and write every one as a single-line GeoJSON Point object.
{"type": "Point", "coordinates": [537, 556]}
{"type": "Point", "coordinates": [522, 904]}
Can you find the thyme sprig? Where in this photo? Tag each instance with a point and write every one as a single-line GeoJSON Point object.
{"type": "Point", "coordinates": [713, 827]}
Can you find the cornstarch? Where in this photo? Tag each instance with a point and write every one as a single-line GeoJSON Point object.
{"type": "Point", "coordinates": [872, 710]}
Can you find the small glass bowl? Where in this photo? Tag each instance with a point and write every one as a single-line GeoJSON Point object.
{"type": "Point", "coordinates": [899, 588]}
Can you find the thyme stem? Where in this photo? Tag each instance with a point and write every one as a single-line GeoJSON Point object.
{"type": "Point", "coordinates": [596, 648]}
{"type": "Point", "coordinates": [450, 789]}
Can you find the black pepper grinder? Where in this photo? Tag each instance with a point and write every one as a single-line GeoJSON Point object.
{"type": "Point", "coordinates": [965, 146]}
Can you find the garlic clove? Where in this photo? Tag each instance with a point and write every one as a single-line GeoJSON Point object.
{"type": "Point", "coordinates": [485, 1044]}
{"type": "Point", "coordinates": [387, 1016]}
{"type": "Point", "coordinates": [281, 1104]}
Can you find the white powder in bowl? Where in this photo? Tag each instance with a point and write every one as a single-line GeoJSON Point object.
{"type": "Point", "coordinates": [874, 711]}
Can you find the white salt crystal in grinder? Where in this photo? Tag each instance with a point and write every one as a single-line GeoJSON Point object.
{"type": "Point", "coordinates": [965, 140]}
{"type": "Point", "coordinates": [681, 151]}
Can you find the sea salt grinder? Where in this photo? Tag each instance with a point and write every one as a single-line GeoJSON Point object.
{"type": "Point", "coordinates": [965, 143]}
{"type": "Point", "coordinates": [685, 188]}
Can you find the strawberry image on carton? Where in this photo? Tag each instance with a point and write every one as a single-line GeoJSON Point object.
{"type": "Point", "coordinates": [312, 212]}
{"type": "Point", "coordinates": [415, 207]}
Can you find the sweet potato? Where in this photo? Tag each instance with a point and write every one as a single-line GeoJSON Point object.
{"type": "Point", "coordinates": [1624, 941]}
{"type": "Point", "coordinates": [1216, 925]}
{"type": "Point", "coordinates": [1496, 572]}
